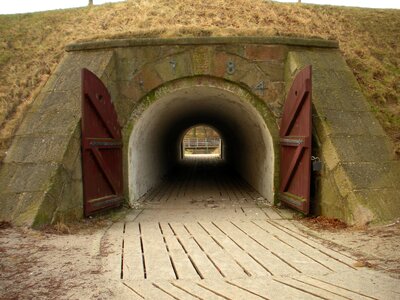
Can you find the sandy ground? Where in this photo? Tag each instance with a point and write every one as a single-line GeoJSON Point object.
{"type": "Point", "coordinates": [66, 262]}
{"type": "Point", "coordinates": [376, 246]}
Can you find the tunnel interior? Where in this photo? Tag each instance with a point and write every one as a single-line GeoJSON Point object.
{"type": "Point", "coordinates": [155, 143]}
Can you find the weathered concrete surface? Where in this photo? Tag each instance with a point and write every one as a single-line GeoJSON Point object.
{"type": "Point", "coordinates": [41, 176]}
{"type": "Point", "coordinates": [360, 180]}
{"type": "Point", "coordinates": [41, 179]}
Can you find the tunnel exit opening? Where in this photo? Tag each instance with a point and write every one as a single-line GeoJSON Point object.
{"type": "Point", "coordinates": [156, 147]}
{"type": "Point", "coordinates": [201, 142]}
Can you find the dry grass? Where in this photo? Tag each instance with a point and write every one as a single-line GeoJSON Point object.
{"type": "Point", "coordinates": [31, 45]}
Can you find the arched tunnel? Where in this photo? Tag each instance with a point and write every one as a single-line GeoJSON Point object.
{"type": "Point", "coordinates": [155, 142]}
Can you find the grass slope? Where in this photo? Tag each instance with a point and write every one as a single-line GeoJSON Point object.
{"type": "Point", "coordinates": [31, 45]}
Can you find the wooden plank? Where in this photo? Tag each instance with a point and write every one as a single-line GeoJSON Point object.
{"type": "Point", "coordinates": [112, 245]}
{"type": "Point", "coordinates": [272, 214]}
{"type": "Point", "coordinates": [291, 229]}
{"type": "Point", "coordinates": [157, 262]}
{"type": "Point", "coordinates": [174, 291]}
{"type": "Point", "coordinates": [304, 248]}
{"type": "Point", "coordinates": [146, 289]}
{"type": "Point", "coordinates": [285, 213]}
{"type": "Point", "coordinates": [332, 288]}
{"type": "Point", "coordinates": [222, 259]}
{"type": "Point", "coordinates": [271, 289]}
{"type": "Point", "coordinates": [238, 253]}
{"type": "Point", "coordinates": [261, 255]}
{"type": "Point", "coordinates": [227, 290]}
{"type": "Point", "coordinates": [286, 253]}
{"type": "Point", "coordinates": [316, 290]}
{"type": "Point", "coordinates": [198, 257]}
{"type": "Point", "coordinates": [133, 260]}
{"type": "Point", "coordinates": [194, 289]}
{"type": "Point", "coordinates": [183, 266]}
{"type": "Point", "coordinates": [364, 284]}
{"type": "Point", "coordinates": [252, 212]}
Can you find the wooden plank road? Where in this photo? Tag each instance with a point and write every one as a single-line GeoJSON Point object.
{"type": "Point", "coordinates": [205, 238]}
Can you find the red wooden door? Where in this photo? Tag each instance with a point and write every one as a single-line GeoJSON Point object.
{"type": "Point", "coordinates": [295, 140]}
{"type": "Point", "coordinates": [101, 147]}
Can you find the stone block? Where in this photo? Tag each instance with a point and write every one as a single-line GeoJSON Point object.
{"type": "Point", "coordinates": [28, 204]}
{"type": "Point", "coordinates": [256, 81]}
{"type": "Point", "coordinates": [371, 124]}
{"type": "Point", "coordinates": [362, 148]}
{"type": "Point", "coordinates": [58, 123]}
{"type": "Point", "coordinates": [229, 66]}
{"type": "Point", "coordinates": [265, 52]}
{"type": "Point", "coordinates": [144, 81]}
{"type": "Point", "coordinates": [201, 62]}
{"type": "Point", "coordinates": [28, 177]}
{"type": "Point", "coordinates": [369, 175]}
{"type": "Point", "coordinates": [173, 67]}
{"type": "Point", "coordinates": [131, 92]}
{"type": "Point", "coordinates": [37, 149]}
{"type": "Point", "coordinates": [343, 182]}
{"type": "Point", "coordinates": [330, 203]}
{"type": "Point", "coordinates": [173, 50]}
{"type": "Point", "coordinates": [72, 151]}
{"type": "Point", "coordinates": [330, 155]}
{"type": "Point", "coordinates": [273, 69]}
{"type": "Point", "coordinates": [346, 123]}
{"type": "Point", "coordinates": [374, 205]}
{"type": "Point", "coordinates": [143, 54]}
{"type": "Point", "coordinates": [321, 60]}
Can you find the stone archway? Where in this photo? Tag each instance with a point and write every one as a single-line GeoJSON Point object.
{"type": "Point", "coordinates": [41, 176]}
{"type": "Point", "coordinates": [245, 122]}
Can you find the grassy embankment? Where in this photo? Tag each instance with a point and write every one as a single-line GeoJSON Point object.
{"type": "Point", "coordinates": [31, 45]}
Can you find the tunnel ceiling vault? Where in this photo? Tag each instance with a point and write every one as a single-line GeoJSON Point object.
{"type": "Point", "coordinates": [160, 87]}
{"type": "Point", "coordinates": [154, 141]}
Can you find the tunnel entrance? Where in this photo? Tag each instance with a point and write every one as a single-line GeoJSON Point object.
{"type": "Point", "coordinates": [159, 144]}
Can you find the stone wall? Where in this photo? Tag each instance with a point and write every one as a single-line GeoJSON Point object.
{"type": "Point", "coordinates": [360, 180]}
{"type": "Point", "coordinates": [41, 176]}
{"type": "Point", "coordinates": [41, 179]}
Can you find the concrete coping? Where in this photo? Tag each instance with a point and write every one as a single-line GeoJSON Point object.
{"type": "Point", "coordinates": [220, 40]}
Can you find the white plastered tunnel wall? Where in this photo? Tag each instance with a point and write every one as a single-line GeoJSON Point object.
{"type": "Point", "coordinates": [154, 144]}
